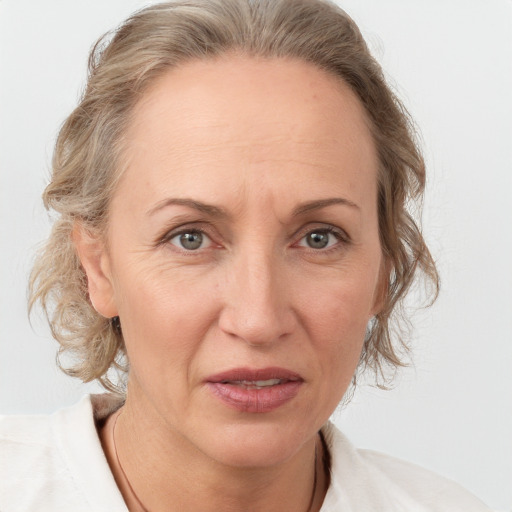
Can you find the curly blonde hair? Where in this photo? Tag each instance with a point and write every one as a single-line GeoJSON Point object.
{"type": "Point", "coordinates": [122, 65]}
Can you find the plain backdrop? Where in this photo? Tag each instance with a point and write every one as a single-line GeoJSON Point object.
{"type": "Point", "coordinates": [451, 62]}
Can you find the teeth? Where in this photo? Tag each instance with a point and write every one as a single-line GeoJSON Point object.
{"type": "Point", "coordinates": [263, 383]}
{"type": "Point", "coordinates": [255, 384]}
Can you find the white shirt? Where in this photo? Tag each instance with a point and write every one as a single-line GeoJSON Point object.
{"type": "Point", "coordinates": [56, 463]}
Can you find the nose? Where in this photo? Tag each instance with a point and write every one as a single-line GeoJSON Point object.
{"type": "Point", "coordinates": [256, 300]}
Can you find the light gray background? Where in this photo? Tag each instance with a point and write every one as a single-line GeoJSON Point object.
{"type": "Point", "coordinates": [451, 62]}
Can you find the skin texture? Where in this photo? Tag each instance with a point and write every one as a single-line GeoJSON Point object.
{"type": "Point", "coordinates": [268, 144]}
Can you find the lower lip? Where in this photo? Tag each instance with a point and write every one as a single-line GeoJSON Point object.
{"type": "Point", "coordinates": [255, 400]}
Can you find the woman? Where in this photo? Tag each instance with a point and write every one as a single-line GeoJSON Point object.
{"type": "Point", "coordinates": [233, 233]}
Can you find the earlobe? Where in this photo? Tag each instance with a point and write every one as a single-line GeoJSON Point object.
{"type": "Point", "coordinates": [95, 260]}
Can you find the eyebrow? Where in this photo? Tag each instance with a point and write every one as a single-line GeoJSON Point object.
{"type": "Point", "coordinates": [209, 209]}
{"type": "Point", "coordinates": [322, 203]}
{"type": "Point", "coordinates": [215, 211]}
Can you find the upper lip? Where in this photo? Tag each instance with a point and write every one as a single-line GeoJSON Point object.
{"type": "Point", "coordinates": [254, 374]}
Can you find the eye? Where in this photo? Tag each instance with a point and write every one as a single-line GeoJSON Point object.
{"type": "Point", "coordinates": [322, 238]}
{"type": "Point", "coordinates": [191, 240]}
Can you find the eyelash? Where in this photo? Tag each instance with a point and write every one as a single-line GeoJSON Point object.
{"type": "Point", "coordinates": [341, 236]}
{"type": "Point", "coordinates": [182, 230]}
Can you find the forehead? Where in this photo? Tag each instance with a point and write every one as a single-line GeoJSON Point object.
{"type": "Point", "coordinates": [238, 112]}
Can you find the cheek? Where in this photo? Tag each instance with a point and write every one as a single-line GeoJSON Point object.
{"type": "Point", "coordinates": [165, 315]}
{"type": "Point", "coordinates": [336, 330]}
{"type": "Point", "coordinates": [342, 305]}
{"type": "Point", "coordinates": [335, 319]}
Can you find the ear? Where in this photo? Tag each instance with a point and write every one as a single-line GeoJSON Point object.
{"type": "Point", "coordinates": [95, 260]}
{"type": "Point", "coordinates": [382, 287]}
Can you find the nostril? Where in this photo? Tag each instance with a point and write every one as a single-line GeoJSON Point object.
{"type": "Point", "coordinates": [256, 328]}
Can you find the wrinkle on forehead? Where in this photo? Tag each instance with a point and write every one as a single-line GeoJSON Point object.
{"type": "Point", "coordinates": [256, 118]}
{"type": "Point", "coordinates": [243, 90]}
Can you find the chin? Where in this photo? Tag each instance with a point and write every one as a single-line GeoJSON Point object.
{"type": "Point", "coordinates": [253, 445]}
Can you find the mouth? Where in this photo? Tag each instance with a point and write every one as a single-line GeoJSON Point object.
{"type": "Point", "coordinates": [255, 391]}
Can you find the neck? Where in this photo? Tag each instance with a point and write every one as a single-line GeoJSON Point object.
{"type": "Point", "coordinates": [158, 469]}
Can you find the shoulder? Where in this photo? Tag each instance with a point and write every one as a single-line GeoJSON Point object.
{"type": "Point", "coordinates": [50, 462]}
{"type": "Point", "coordinates": [371, 480]}
{"type": "Point", "coordinates": [33, 465]}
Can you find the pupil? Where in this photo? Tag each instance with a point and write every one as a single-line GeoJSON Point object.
{"type": "Point", "coordinates": [318, 240]}
{"type": "Point", "coordinates": [191, 241]}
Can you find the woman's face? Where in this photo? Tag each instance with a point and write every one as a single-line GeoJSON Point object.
{"type": "Point", "coordinates": [243, 253]}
